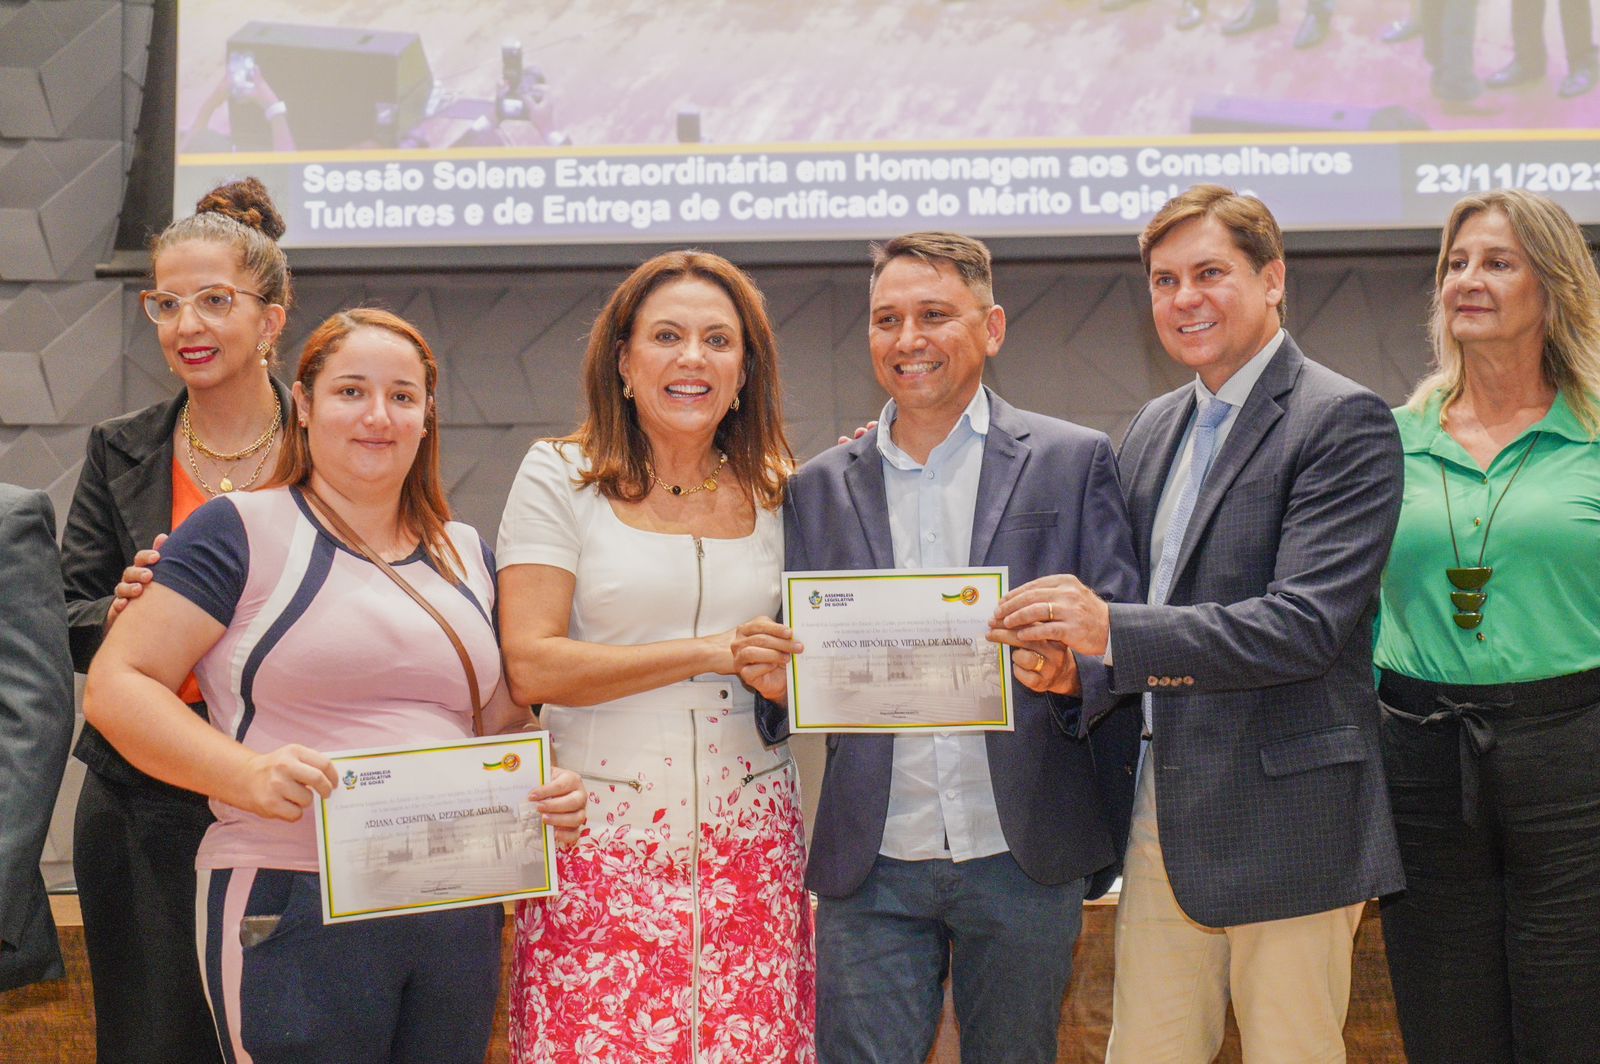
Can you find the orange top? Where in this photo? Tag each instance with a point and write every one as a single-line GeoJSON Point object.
{"type": "Point", "coordinates": [186, 499]}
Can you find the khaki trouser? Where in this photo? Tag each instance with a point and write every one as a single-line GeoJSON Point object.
{"type": "Point", "coordinates": [1289, 979]}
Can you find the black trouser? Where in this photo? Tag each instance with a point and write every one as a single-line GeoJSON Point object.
{"type": "Point", "coordinates": [133, 852]}
{"type": "Point", "coordinates": [1323, 8]}
{"type": "Point", "coordinates": [1494, 948]}
{"type": "Point", "coordinates": [1449, 28]}
{"type": "Point", "coordinates": [413, 989]}
{"type": "Point", "coordinates": [1527, 32]}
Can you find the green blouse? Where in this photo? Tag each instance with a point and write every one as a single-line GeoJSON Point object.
{"type": "Point", "coordinates": [1542, 616]}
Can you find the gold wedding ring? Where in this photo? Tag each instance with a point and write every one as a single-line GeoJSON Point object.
{"type": "Point", "coordinates": [1040, 666]}
{"type": "Point", "coordinates": [1051, 606]}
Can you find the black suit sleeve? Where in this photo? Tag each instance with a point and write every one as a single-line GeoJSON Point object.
{"type": "Point", "coordinates": [92, 554]}
{"type": "Point", "coordinates": [36, 709]}
{"type": "Point", "coordinates": [1107, 565]}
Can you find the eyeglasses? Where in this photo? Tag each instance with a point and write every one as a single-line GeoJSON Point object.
{"type": "Point", "coordinates": [1469, 596]}
{"type": "Point", "coordinates": [212, 304]}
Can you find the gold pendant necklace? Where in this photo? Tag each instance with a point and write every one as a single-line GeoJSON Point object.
{"type": "Point", "coordinates": [1469, 580]}
{"type": "Point", "coordinates": [709, 484]}
{"type": "Point", "coordinates": [261, 441]}
{"type": "Point", "coordinates": [226, 484]}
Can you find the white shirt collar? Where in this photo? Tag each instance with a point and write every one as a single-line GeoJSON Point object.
{"type": "Point", "coordinates": [1237, 388]}
{"type": "Point", "coordinates": [976, 416]}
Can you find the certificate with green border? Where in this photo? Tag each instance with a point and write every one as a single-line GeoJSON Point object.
{"type": "Point", "coordinates": [897, 650]}
{"type": "Point", "coordinates": [430, 826]}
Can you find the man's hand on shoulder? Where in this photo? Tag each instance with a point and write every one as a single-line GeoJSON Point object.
{"type": "Point", "coordinates": [859, 432]}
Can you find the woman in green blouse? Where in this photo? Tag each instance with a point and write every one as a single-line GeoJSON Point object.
{"type": "Point", "coordinates": [1489, 650]}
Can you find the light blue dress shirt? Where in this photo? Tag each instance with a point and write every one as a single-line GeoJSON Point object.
{"type": "Point", "coordinates": [941, 797]}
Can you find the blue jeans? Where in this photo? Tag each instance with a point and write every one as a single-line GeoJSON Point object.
{"type": "Point", "coordinates": [884, 951]}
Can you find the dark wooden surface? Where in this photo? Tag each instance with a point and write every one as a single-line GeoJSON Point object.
{"type": "Point", "coordinates": [53, 1023]}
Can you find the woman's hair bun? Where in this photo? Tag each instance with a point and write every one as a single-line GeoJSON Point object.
{"type": "Point", "coordinates": [247, 202]}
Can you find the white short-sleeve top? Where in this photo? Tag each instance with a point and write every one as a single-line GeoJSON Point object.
{"type": "Point", "coordinates": [634, 586]}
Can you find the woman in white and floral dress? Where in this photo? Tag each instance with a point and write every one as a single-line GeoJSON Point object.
{"type": "Point", "coordinates": [629, 552]}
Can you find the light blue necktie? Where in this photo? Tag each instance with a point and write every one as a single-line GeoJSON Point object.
{"type": "Point", "coordinates": [1213, 412]}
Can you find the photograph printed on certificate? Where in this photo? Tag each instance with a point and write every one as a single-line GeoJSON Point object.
{"type": "Point", "coordinates": [897, 650]}
{"type": "Point", "coordinates": [434, 826]}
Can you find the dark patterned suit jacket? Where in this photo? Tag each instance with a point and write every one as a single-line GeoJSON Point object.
{"type": "Point", "coordinates": [35, 728]}
{"type": "Point", "coordinates": [1048, 502]}
{"type": "Point", "coordinates": [1269, 785]}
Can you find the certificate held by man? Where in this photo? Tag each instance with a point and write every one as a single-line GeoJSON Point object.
{"type": "Point", "coordinates": [897, 650]}
{"type": "Point", "coordinates": [435, 826]}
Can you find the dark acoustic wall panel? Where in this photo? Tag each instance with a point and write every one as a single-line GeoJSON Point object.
{"type": "Point", "coordinates": [71, 81]}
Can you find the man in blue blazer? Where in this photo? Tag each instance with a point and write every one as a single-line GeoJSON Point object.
{"type": "Point", "coordinates": [35, 728]}
{"type": "Point", "coordinates": [1263, 497]}
{"type": "Point", "coordinates": [976, 845]}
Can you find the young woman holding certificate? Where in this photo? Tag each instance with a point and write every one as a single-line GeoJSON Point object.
{"type": "Point", "coordinates": [629, 552]}
{"type": "Point", "coordinates": [301, 642]}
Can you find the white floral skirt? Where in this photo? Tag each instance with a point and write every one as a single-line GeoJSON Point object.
{"type": "Point", "coordinates": [682, 931]}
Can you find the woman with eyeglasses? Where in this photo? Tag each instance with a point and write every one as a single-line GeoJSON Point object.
{"type": "Point", "coordinates": [221, 293]}
{"type": "Point", "coordinates": [1489, 646]}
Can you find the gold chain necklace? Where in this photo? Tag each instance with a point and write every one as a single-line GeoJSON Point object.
{"type": "Point", "coordinates": [225, 485]}
{"type": "Point", "coordinates": [196, 443]}
{"type": "Point", "coordinates": [709, 484]}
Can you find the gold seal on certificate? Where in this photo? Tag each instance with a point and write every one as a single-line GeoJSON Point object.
{"type": "Point", "coordinates": [434, 826]}
{"type": "Point", "coordinates": [897, 650]}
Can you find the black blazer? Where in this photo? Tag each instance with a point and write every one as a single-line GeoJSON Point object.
{"type": "Point", "coordinates": [1048, 502]}
{"type": "Point", "coordinates": [123, 501]}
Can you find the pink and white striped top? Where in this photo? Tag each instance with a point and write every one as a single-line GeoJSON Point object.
{"type": "Point", "coordinates": [321, 648]}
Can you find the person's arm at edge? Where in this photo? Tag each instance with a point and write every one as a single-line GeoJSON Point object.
{"type": "Point", "coordinates": [504, 715]}
{"type": "Point", "coordinates": [35, 700]}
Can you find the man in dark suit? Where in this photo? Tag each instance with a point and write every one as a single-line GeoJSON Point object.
{"type": "Point", "coordinates": [35, 729]}
{"type": "Point", "coordinates": [1263, 497]}
{"type": "Point", "coordinates": [981, 842]}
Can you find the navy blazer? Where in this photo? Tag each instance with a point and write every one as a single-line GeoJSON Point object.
{"type": "Point", "coordinates": [35, 728]}
{"type": "Point", "coordinates": [1269, 784]}
{"type": "Point", "coordinates": [1048, 502]}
